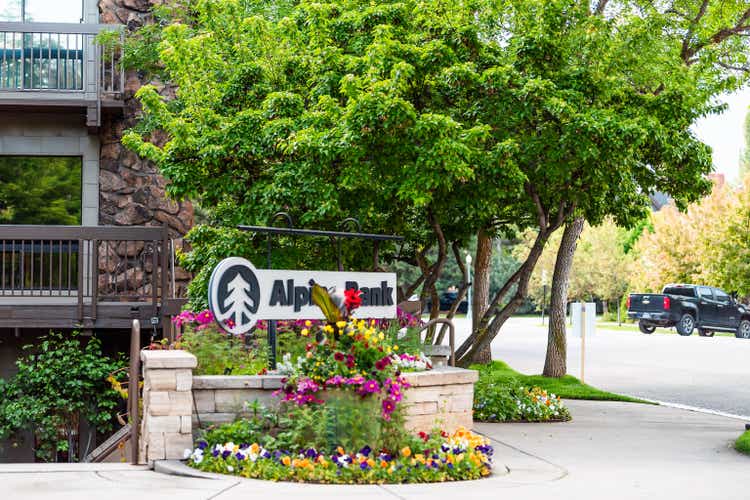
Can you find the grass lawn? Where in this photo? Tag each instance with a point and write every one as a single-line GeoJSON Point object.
{"type": "Point", "coordinates": [567, 387]}
{"type": "Point", "coordinates": [743, 443]}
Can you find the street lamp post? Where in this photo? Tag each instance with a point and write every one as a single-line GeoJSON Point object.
{"type": "Point", "coordinates": [468, 298]}
{"type": "Point", "coordinates": [544, 292]}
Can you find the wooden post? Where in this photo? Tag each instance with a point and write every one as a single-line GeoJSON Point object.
{"type": "Point", "coordinates": [135, 368]}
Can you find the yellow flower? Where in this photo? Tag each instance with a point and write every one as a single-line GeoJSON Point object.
{"type": "Point", "coordinates": [387, 350]}
{"type": "Point", "coordinates": [305, 332]}
{"type": "Point", "coordinates": [286, 460]}
{"type": "Point", "coordinates": [371, 462]}
{"type": "Point", "coordinates": [381, 336]}
{"type": "Point", "coordinates": [395, 348]}
{"type": "Point", "coordinates": [308, 323]}
{"type": "Point", "coordinates": [341, 324]}
{"type": "Point", "coordinates": [328, 329]}
{"type": "Point", "coordinates": [406, 451]}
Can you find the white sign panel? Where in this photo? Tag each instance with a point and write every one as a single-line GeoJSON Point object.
{"type": "Point", "coordinates": [590, 319]}
{"type": "Point", "coordinates": [576, 317]}
{"type": "Point", "coordinates": [239, 294]}
{"type": "Point", "coordinates": [576, 314]}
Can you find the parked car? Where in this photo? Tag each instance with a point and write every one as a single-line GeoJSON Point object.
{"type": "Point", "coordinates": [690, 307]}
{"type": "Point", "coordinates": [447, 299]}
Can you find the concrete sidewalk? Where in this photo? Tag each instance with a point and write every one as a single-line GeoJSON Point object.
{"type": "Point", "coordinates": [610, 451]}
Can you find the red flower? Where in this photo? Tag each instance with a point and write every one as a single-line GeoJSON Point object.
{"type": "Point", "coordinates": [424, 436]}
{"type": "Point", "coordinates": [339, 356]}
{"type": "Point", "coordinates": [352, 299]}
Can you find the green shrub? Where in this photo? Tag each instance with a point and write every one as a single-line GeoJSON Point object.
{"type": "Point", "coordinates": [222, 354]}
{"type": "Point", "coordinates": [743, 443]}
{"type": "Point", "coordinates": [499, 398]}
{"type": "Point", "coordinates": [60, 382]}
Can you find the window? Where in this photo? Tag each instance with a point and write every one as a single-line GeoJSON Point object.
{"type": "Point", "coordinates": [682, 291]}
{"type": "Point", "coordinates": [721, 296]}
{"type": "Point", "coordinates": [705, 292]}
{"type": "Point", "coordinates": [40, 190]}
{"type": "Point", "coordinates": [41, 11]}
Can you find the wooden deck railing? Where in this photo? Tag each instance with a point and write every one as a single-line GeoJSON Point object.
{"type": "Point", "coordinates": [85, 267]}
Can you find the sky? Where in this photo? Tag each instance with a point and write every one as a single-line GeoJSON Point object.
{"type": "Point", "coordinates": [724, 133]}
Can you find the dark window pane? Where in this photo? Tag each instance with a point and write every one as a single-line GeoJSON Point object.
{"type": "Point", "coordinates": [40, 190]}
{"type": "Point", "coordinates": [679, 290]}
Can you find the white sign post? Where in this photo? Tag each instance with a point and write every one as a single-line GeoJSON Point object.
{"type": "Point", "coordinates": [239, 294]}
{"type": "Point", "coordinates": [584, 323]}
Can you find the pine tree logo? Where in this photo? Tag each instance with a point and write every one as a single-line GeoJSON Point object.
{"type": "Point", "coordinates": [234, 295]}
{"type": "Point", "coordinates": [239, 302]}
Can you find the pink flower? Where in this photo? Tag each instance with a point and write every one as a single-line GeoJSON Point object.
{"type": "Point", "coordinates": [204, 317]}
{"type": "Point", "coordinates": [370, 386]}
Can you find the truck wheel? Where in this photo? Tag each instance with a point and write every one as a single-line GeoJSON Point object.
{"type": "Point", "coordinates": [743, 331]}
{"type": "Point", "coordinates": [686, 325]}
{"type": "Point", "coordinates": [646, 328]}
{"type": "Point", "coordinates": [705, 333]}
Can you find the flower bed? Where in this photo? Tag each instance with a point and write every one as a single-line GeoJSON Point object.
{"type": "Point", "coordinates": [462, 455]}
{"type": "Point", "coordinates": [508, 401]}
{"type": "Point", "coordinates": [349, 388]}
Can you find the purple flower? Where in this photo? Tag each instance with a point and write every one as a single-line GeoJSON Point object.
{"type": "Point", "coordinates": [311, 453]}
{"type": "Point", "coordinates": [364, 465]}
{"type": "Point", "coordinates": [239, 456]}
{"type": "Point", "coordinates": [365, 451]}
{"type": "Point", "coordinates": [202, 445]}
{"type": "Point", "coordinates": [371, 386]}
{"type": "Point", "coordinates": [225, 454]}
{"type": "Point", "coordinates": [389, 406]}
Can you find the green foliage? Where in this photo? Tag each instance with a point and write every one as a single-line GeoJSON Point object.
{"type": "Point", "coordinates": [567, 387]}
{"type": "Point", "coordinates": [745, 155]}
{"type": "Point", "coordinates": [60, 382]}
{"type": "Point", "coordinates": [743, 443]}
{"type": "Point", "coordinates": [501, 399]}
{"type": "Point", "coordinates": [221, 354]}
{"type": "Point", "coordinates": [40, 190]}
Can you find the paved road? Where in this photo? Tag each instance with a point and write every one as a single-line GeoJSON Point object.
{"type": "Point", "coordinates": [712, 373]}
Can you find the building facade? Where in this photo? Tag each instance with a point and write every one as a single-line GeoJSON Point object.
{"type": "Point", "coordinates": [87, 234]}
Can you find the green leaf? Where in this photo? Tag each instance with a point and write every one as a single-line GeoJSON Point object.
{"type": "Point", "coordinates": [322, 299]}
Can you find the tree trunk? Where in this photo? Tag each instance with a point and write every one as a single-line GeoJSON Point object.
{"type": "Point", "coordinates": [480, 300]}
{"type": "Point", "coordinates": [555, 363]}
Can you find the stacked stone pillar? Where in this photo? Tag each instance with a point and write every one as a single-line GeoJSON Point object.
{"type": "Point", "coordinates": [166, 421]}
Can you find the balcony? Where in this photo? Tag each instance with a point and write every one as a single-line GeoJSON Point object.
{"type": "Point", "coordinates": [60, 65]}
{"type": "Point", "coordinates": [86, 277]}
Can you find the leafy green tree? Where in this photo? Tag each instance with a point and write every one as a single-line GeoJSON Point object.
{"type": "Point", "coordinates": [745, 154]}
{"type": "Point", "coordinates": [435, 120]}
{"type": "Point", "coordinates": [328, 111]}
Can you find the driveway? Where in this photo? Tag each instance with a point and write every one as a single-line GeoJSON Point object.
{"type": "Point", "coordinates": [711, 373]}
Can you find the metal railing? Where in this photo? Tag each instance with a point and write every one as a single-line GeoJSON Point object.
{"type": "Point", "coordinates": [87, 265]}
{"type": "Point", "coordinates": [59, 57]}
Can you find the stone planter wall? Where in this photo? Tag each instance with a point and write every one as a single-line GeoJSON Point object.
{"type": "Point", "coordinates": [441, 397]}
{"type": "Point", "coordinates": [166, 429]}
{"type": "Point", "coordinates": [175, 401]}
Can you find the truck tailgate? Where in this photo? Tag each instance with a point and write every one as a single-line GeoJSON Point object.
{"type": "Point", "coordinates": [642, 302]}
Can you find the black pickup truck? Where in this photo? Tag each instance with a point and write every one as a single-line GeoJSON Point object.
{"type": "Point", "coordinates": [690, 307]}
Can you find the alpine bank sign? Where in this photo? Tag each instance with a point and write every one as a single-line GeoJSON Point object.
{"type": "Point", "coordinates": [239, 294]}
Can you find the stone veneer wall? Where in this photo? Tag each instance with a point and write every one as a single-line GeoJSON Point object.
{"type": "Point", "coordinates": [441, 397]}
{"type": "Point", "coordinates": [131, 191]}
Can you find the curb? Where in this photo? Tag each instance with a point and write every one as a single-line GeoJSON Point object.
{"type": "Point", "coordinates": [697, 409]}
{"type": "Point", "coordinates": [179, 468]}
